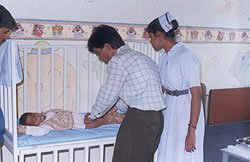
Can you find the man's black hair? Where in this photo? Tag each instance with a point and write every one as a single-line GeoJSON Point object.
{"type": "Point", "coordinates": [6, 20]}
{"type": "Point", "coordinates": [104, 34]}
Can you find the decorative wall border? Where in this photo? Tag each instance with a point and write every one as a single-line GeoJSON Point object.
{"type": "Point", "coordinates": [81, 30]}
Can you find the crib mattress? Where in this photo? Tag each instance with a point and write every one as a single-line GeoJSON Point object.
{"type": "Point", "coordinates": [58, 136]}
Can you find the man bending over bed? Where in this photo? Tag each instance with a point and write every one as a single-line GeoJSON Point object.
{"type": "Point", "coordinates": [38, 124]}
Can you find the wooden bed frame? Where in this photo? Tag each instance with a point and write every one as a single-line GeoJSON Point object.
{"type": "Point", "coordinates": [229, 105]}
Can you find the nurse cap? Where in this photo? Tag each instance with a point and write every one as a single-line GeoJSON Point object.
{"type": "Point", "coordinates": [165, 21]}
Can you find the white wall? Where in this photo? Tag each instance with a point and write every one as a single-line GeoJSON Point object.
{"type": "Point", "coordinates": [139, 11]}
{"type": "Point", "coordinates": [212, 13]}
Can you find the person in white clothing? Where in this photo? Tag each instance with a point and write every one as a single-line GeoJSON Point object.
{"type": "Point", "coordinates": [183, 133]}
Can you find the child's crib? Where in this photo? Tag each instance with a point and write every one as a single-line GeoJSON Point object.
{"type": "Point", "coordinates": [78, 75]}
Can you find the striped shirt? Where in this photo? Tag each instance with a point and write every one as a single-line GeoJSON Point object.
{"type": "Point", "coordinates": [134, 80]}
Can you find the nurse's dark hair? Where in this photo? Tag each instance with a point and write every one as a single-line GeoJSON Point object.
{"type": "Point", "coordinates": [6, 19]}
{"type": "Point", "coordinates": [104, 34]}
{"type": "Point", "coordinates": [155, 26]}
{"type": "Point", "coordinates": [23, 118]}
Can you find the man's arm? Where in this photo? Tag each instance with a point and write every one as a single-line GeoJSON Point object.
{"type": "Point", "coordinates": [109, 92]}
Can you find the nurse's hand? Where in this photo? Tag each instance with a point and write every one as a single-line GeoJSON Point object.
{"type": "Point", "coordinates": [163, 89]}
{"type": "Point", "coordinates": [190, 140]}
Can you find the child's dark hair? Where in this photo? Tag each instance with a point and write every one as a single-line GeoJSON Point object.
{"type": "Point", "coordinates": [104, 34]}
{"type": "Point", "coordinates": [23, 118]}
{"type": "Point", "coordinates": [6, 20]}
{"type": "Point", "coordinates": [155, 26]}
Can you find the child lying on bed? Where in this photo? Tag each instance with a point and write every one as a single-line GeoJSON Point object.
{"type": "Point", "coordinates": [38, 124]}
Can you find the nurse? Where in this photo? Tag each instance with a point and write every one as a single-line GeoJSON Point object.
{"type": "Point", "coordinates": [183, 133]}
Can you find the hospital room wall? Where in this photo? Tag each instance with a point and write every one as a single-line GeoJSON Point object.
{"type": "Point", "coordinates": [217, 58]}
{"type": "Point", "coordinates": [215, 13]}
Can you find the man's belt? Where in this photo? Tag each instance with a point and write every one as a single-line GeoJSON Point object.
{"type": "Point", "coordinates": [176, 92]}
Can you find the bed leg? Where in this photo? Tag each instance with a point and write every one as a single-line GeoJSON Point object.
{"type": "Point", "coordinates": [38, 156]}
{"type": "Point", "coordinates": [86, 154]}
{"type": "Point", "coordinates": [21, 158]}
{"type": "Point", "coordinates": [55, 156]}
{"type": "Point", "coordinates": [71, 156]}
{"type": "Point", "coordinates": [101, 152]}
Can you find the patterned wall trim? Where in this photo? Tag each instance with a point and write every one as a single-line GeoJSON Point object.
{"type": "Point", "coordinates": [81, 30]}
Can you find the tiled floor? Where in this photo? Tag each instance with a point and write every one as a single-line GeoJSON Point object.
{"type": "Point", "coordinates": [220, 136]}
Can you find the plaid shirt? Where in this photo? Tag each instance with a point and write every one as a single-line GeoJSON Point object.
{"type": "Point", "coordinates": [134, 80]}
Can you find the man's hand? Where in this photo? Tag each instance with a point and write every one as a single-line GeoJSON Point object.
{"type": "Point", "coordinates": [112, 110]}
{"type": "Point", "coordinates": [21, 129]}
{"type": "Point", "coordinates": [87, 120]}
